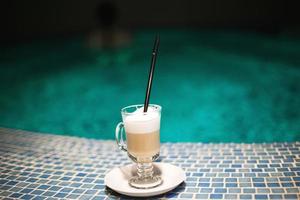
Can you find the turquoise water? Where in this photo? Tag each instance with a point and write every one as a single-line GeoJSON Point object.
{"type": "Point", "coordinates": [213, 86]}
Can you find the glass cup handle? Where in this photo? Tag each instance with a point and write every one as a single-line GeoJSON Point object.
{"type": "Point", "coordinates": [119, 136]}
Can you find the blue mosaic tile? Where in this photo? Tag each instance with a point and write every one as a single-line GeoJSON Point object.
{"type": "Point", "coordinates": [190, 179]}
{"type": "Point", "coordinates": [256, 170]}
{"type": "Point", "coordinates": [275, 196]}
{"type": "Point", "coordinates": [192, 190]}
{"type": "Point", "coordinates": [229, 170]}
{"type": "Point", "coordinates": [197, 174]}
{"type": "Point", "coordinates": [258, 179]}
{"type": "Point", "coordinates": [234, 190]}
{"type": "Point", "coordinates": [249, 190]}
{"type": "Point", "coordinates": [231, 184]}
{"type": "Point", "coordinates": [295, 169]}
{"type": "Point", "coordinates": [231, 180]}
{"type": "Point", "coordinates": [290, 196]}
{"type": "Point", "coordinates": [26, 190]}
{"type": "Point", "coordinates": [204, 179]}
{"type": "Point", "coordinates": [27, 196]}
{"type": "Point", "coordinates": [289, 173]}
{"type": "Point", "coordinates": [259, 184]}
{"type": "Point", "coordinates": [263, 175]}
{"type": "Point", "coordinates": [191, 184]}
{"type": "Point", "coordinates": [271, 179]}
{"type": "Point", "coordinates": [287, 184]}
{"type": "Point", "coordinates": [261, 196]}
{"type": "Point", "coordinates": [220, 190]}
{"type": "Point", "coordinates": [50, 168]}
{"type": "Point", "coordinates": [278, 190]}
{"type": "Point", "coordinates": [81, 174]}
{"type": "Point", "coordinates": [187, 195]}
{"type": "Point", "coordinates": [73, 196]}
{"type": "Point", "coordinates": [49, 193]}
{"type": "Point", "coordinates": [204, 170]}
{"type": "Point", "coordinates": [273, 184]}
{"type": "Point", "coordinates": [203, 184]}
{"type": "Point", "coordinates": [37, 192]}
{"type": "Point", "coordinates": [217, 184]}
{"type": "Point", "coordinates": [270, 170]}
{"type": "Point", "coordinates": [263, 190]}
{"type": "Point", "coordinates": [54, 188]}
{"type": "Point", "coordinates": [216, 196]}
{"type": "Point", "coordinates": [230, 196]}
{"type": "Point", "coordinates": [11, 182]}
{"type": "Point", "coordinates": [61, 195]}
{"type": "Point", "coordinates": [262, 166]}
{"type": "Point", "coordinates": [250, 175]}
{"type": "Point", "coordinates": [15, 195]}
{"type": "Point", "coordinates": [44, 187]}
{"type": "Point", "coordinates": [245, 196]}
{"type": "Point", "coordinates": [292, 190]}
{"type": "Point", "coordinates": [78, 191]}
{"type": "Point", "coordinates": [76, 185]}
{"type": "Point", "coordinates": [202, 196]}
{"type": "Point", "coordinates": [245, 184]}
{"type": "Point", "coordinates": [216, 180]}
{"type": "Point", "coordinates": [206, 190]}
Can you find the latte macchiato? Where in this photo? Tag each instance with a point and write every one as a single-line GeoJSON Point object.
{"type": "Point", "coordinates": [142, 142]}
{"type": "Point", "coordinates": [142, 133]}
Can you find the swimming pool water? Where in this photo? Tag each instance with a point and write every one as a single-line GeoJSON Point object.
{"type": "Point", "coordinates": [213, 86]}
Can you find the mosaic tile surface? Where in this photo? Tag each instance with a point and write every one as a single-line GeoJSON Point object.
{"type": "Point", "coordinates": [41, 166]}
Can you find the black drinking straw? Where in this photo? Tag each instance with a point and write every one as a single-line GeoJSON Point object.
{"type": "Point", "coordinates": [151, 73]}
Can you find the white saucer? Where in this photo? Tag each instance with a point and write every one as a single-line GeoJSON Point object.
{"type": "Point", "coordinates": [117, 180]}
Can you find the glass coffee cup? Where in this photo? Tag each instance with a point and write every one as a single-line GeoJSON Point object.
{"type": "Point", "coordinates": [142, 142]}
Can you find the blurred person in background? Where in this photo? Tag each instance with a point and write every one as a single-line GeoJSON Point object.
{"type": "Point", "coordinates": [108, 34]}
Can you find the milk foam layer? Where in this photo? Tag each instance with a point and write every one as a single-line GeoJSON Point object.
{"type": "Point", "coordinates": [139, 122]}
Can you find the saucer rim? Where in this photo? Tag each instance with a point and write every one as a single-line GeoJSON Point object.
{"type": "Point", "coordinates": [145, 192]}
